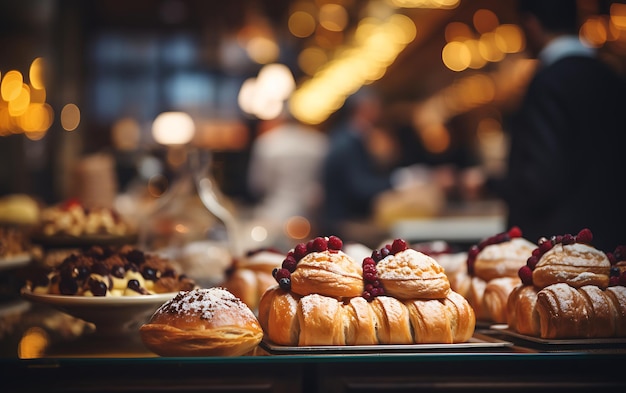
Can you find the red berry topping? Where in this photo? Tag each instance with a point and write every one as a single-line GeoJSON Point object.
{"type": "Point", "coordinates": [622, 278]}
{"type": "Point", "coordinates": [290, 263]}
{"type": "Point", "coordinates": [515, 232]}
{"type": "Point", "coordinates": [335, 243]}
{"type": "Point", "coordinates": [532, 261]}
{"type": "Point", "coordinates": [398, 245]}
{"type": "Point", "coordinates": [282, 273]}
{"type": "Point", "coordinates": [526, 275]}
{"type": "Point", "coordinates": [299, 251]}
{"type": "Point", "coordinates": [614, 281]}
{"type": "Point", "coordinates": [320, 244]}
{"type": "Point", "coordinates": [584, 236]}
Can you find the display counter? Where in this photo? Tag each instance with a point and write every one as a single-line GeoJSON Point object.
{"type": "Point", "coordinates": [46, 350]}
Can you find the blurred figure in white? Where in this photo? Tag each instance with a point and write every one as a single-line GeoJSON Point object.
{"type": "Point", "coordinates": [284, 169]}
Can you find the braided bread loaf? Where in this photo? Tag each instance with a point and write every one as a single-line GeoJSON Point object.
{"type": "Point", "coordinates": [565, 292]}
{"type": "Point", "coordinates": [324, 297]}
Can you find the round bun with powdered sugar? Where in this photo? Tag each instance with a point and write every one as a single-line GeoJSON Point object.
{"type": "Point", "coordinates": [202, 322]}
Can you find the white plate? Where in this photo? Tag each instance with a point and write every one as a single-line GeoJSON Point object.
{"type": "Point", "coordinates": [112, 315]}
{"type": "Point", "coordinates": [14, 261]}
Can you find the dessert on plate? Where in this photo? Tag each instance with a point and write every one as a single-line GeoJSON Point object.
{"type": "Point", "coordinates": [109, 271]}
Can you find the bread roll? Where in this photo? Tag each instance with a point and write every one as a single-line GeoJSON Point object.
{"type": "Point", "coordinates": [202, 322]}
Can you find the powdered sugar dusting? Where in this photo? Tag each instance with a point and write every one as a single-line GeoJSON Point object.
{"type": "Point", "coordinates": [203, 302]}
{"type": "Point", "coordinates": [408, 264]}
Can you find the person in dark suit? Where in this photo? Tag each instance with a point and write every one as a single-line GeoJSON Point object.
{"type": "Point", "coordinates": [567, 170]}
{"type": "Point", "coordinates": [351, 175]}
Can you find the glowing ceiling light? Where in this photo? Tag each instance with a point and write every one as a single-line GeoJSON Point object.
{"type": "Point", "coordinates": [173, 128]}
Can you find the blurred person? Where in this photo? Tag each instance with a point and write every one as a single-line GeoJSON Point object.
{"type": "Point", "coordinates": [565, 169]}
{"type": "Point", "coordinates": [284, 169]}
{"type": "Point", "coordinates": [352, 175]}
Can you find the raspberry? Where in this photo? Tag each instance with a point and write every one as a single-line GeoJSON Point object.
{"type": "Point", "coordinates": [335, 243]}
{"type": "Point", "coordinates": [584, 236]}
{"type": "Point", "coordinates": [384, 252]}
{"type": "Point", "coordinates": [526, 275]}
{"type": "Point", "coordinates": [376, 256]}
{"type": "Point", "coordinates": [614, 281]}
{"type": "Point", "coordinates": [370, 276]}
{"type": "Point", "coordinates": [367, 296]}
{"type": "Point", "coordinates": [290, 263]}
{"type": "Point", "coordinates": [282, 273]}
{"type": "Point", "coordinates": [369, 261]}
{"type": "Point", "coordinates": [545, 246]}
{"type": "Point", "coordinates": [515, 232]}
{"type": "Point", "coordinates": [568, 239]}
{"type": "Point", "coordinates": [319, 244]}
{"type": "Point", "coordinates": [398, 245]}
{"type": "Point", "coordinates": [299, 251]}
{"type": "Point", "coordinates": [473, 252]}
{"type": "Point", "coordinates": [532, 262]}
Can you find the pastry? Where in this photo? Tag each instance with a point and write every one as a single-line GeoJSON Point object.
{"type": "Point", "coordinates": [374, 316]}
{"type": "Point", "coordinates": [495, 296]}
{"type": "Point", "coordinates": [109, 271]}
{"type": "Point", "coordinates": [324, 269]}
{"type": "Point", "coordinates": [586, 312]}
{"type": "Point", "coordinates": [617, 258]}
{"type": "Point", "coordinates": [410, 274]}
{"type": "Point", "coordinates": [566, 292]}
{"type": "Point", "coordinates": [202, 322]}
{"type": "Point", "coordinates": [251, 275]}
{"type": "Point", "coordinates": [493, 265]}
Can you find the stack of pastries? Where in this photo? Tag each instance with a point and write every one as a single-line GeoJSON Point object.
{"type": "Point", "coordinates": [568, 290]}
{"type": "Point", "coordinates": [492, 267]}
{"type": "Point", "coordinates": [250, 275]}
{"type": "Point", "coordinates": [396, 296]}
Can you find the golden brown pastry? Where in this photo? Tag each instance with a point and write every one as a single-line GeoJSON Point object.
{"type": "Point", "coordinates": [495, 297]}
{"type": "Point", "coordinates": [407, 301]}
{"type": "Point", "coordinates": [202, 322]}
{"type": "Point", "coordinates": [495, 259]}
{"type": "Point", "coordinates": [327, 272]}
{"type": "Point", "coordinates": [410, 274]}
{"type": "Point", "coordinates": [522, 314]}
{"type": "Point", "coordinates": [565, 293]}
{"type": "Point", "coordinates": [585, 312]}
{"type": "Point", "coordinates": [251, 275]}
{"type": "Point", "coordinates": [291, 320]}
{"type": "Point", "coordinates": [502, 259]}
{"type": "Point", "coordinates": [575, 264]}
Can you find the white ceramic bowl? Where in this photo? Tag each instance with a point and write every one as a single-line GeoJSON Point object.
{"type": "Point", "coordinates": [112, 315]}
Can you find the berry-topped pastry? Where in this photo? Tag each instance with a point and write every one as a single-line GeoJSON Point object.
{"type": "Point", "coordinates": [493, 264]}
{"type": "Point", "coordinates": [251, 274]}
{"type": "Point", "coordinates": [618, 266]}
{"type": "Point", "coordinates": [567, 259]}
{"type": "Point", "coordinates": [566, 292]}
{"type": "Point", "coordinates": [320, 266]}
{"type": "Point", "coordinates": [408, 274]}
{"type": "Point", "coordinates": [395, 296]}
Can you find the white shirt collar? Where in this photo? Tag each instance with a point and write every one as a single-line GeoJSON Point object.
{"type": "Point", "coordinates": [564, 46]}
